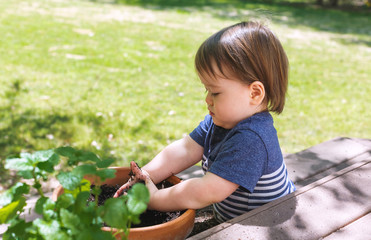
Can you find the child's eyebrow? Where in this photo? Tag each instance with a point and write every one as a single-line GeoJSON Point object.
{"type": "Point", "coordinates": [210, 85]}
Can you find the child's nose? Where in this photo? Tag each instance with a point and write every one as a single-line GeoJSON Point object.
{"type": "Point", "coordinates": [208, 99]}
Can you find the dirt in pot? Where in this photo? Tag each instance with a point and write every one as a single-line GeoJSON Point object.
{"type": "Point", "coordinates": [149, 217]}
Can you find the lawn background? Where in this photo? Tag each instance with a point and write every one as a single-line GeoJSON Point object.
{"type": "Point", "coordinates": [118, 78]}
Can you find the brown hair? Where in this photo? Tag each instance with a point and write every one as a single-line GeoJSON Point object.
{"type": "Point", "coordinates": [250, 52]}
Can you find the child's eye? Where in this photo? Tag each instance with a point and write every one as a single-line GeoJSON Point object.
{"type": "Point", "coordinates": [211, 93]}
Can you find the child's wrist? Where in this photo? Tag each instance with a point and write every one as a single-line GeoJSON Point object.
{"type": "Point", "coordinates": [147, 175]}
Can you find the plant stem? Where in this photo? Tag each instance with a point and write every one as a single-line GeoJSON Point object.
{"type": "Point", "coordinates": [37, 183]}
{"type": "Point", "coordinates": [96, 196]}
{"type": "Point", "coordinates": [127, 230]}
{"type": "Point", "coordinates": [124, 235]}
{"type": "Point", "coordinates": [40, 192]}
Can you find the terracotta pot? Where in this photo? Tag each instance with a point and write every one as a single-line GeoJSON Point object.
{"type": "Point", "coordinates": [178, 228]}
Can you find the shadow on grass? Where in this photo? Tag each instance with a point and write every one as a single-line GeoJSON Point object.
{"type": "Point", "coordinates": [333, 20]}
{"type": "Point", "coordinates": [31, 130]}
{"type": "Point", "coordinates": [28, 130]}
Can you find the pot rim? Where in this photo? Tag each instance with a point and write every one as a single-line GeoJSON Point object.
{"type": "Point", "coordinates": [188, 213]}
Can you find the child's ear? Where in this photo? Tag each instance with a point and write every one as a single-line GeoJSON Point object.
{"type": "Point", "coordinates": [257, 92]}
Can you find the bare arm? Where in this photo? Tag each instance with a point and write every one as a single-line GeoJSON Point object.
{"type": "Point", "coordinates": [194, 193]}
{"type": "Point", "coordinates": [174, 158]}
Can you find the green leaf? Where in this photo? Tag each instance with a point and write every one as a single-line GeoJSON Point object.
{"type": "Point", "coordinates": [72, 161]}
{"type": "Point", "coordinates": [44, 160]}
{"type": "Point", "coordinates": [69, 180]}
{"type": "Point", "coordinates": [49, 230]}
{"type": "Point", "coordinates": [105, 163]}
{"type": "Point", "coordinates": [47, 166]}
{"type": "Point", "coordinates": [84, 186]}
{"type": "Point", "coordinates": [27, 156]}
{"type": "Point", "coordinates": [85, 169]}
{"type": "Point", "coordinates": [136, 207]}
{"type": "Point", "coordinates": [138, 199]}
{"type": "Point", "coordinates": [106, 173]}
{"type": "Point", "coordinates": [39, 206]}
{"type": "Point", "coordinates": [85, 234]}
{"type": "Point", "coordinates": [10, 210]}
{"type": "Point", "coordinates": [94, 234]}
{"type": "Point", "coordinates": [54, 159]}
{"type": "Point", "coordinates": [19, 228]}
{"type": "Point", "coordinates": [140, 191]}
{"type": "Point", "coordinates": [65, 151]}
{"type": "Point", "coordinates": [115, 213]}
{"type": "Point", "coordinates": [44, 156]}
{"type": "Point", "coordinates": [48, 209]}
{"type": "Point", "coordinates": [39, 173]}
{"type": "Point", "coordinates": [65, 201]}
{"type": "Point", "coordinates": [135, 219]}
{"type": "Point", "coordinates": [14, 193]}
{"type": "Point", "coordinates": [37, 185]}
{"type": "Point", "coordinates": [96, 190]}
{"type": "Point", "coordinates": [80, 202]}
{"type": "Point", "coordinates": [18, 164]}
{"type": "Point", "coordinates": [68, 152]}
{"type": "Point", "coordinates": [76, 156]}
{"type": "Point", "coordinates": [25, 174]}
{"type": "Point", "coordinates": [100, 234]}
{"type": "Point", "coordinates": [88, 156]}
{"type": "Point", "coordinates": [70, 220]}
{"type": "Point", "coordinates": [6, 198]}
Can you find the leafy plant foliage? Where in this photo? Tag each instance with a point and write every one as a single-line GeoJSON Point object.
{"type": "Point", "coordinates": [71, 216]}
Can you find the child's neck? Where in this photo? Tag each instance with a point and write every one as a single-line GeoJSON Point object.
{"type": "Point", "coordinates": [263, 107]}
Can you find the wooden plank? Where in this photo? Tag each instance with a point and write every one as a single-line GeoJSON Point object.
{"type": "Point", "coordinates": [333, 169]}
{"type": "Point", "coordinates": [312, 212]}
{"type": "Point", "coordinates": [357, 230]}
{"type": "Point", "coordinates": [309, 162]}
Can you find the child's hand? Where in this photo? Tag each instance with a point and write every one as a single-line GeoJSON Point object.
{"type": "Point", "coordinates": [136, 175]}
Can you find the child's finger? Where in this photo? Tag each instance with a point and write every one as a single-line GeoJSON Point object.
{"type": "Point", "coordinates": [137, 172]}
{"type": "Point", "coordinates": [120, 190]}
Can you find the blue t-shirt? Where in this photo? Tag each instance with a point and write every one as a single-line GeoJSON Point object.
{"type": "Point", "coordinates": [248, 155]}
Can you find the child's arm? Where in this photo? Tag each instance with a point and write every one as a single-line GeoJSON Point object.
{"type": "Point", "coordinates": [194, 193]}
{"type": "Point", "coordinates": [174, 158]}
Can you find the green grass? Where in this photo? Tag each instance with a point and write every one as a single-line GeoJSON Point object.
{"type": "Point", "coordinates": [119, 79]}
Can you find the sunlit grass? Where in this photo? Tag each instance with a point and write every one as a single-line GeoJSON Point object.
{"type": "Point", "coordinates": [119, 79]}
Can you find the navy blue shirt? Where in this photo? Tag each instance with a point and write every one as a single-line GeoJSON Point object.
{"type": "Point", "coordinates": [248, 155]}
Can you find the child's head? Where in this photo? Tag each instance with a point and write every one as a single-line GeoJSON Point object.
{"type": "Point", "coordinates": [249, 52]}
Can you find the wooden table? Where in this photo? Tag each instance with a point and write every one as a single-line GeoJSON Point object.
{"type": "Point", "coordinates": [332, 206]}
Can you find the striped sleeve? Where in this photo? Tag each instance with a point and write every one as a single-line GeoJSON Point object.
{"type": "Point", "coordinates": [269, 187]}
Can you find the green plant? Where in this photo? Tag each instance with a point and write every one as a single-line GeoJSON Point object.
{"type": "Point", "coordinates": [71, 216]}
